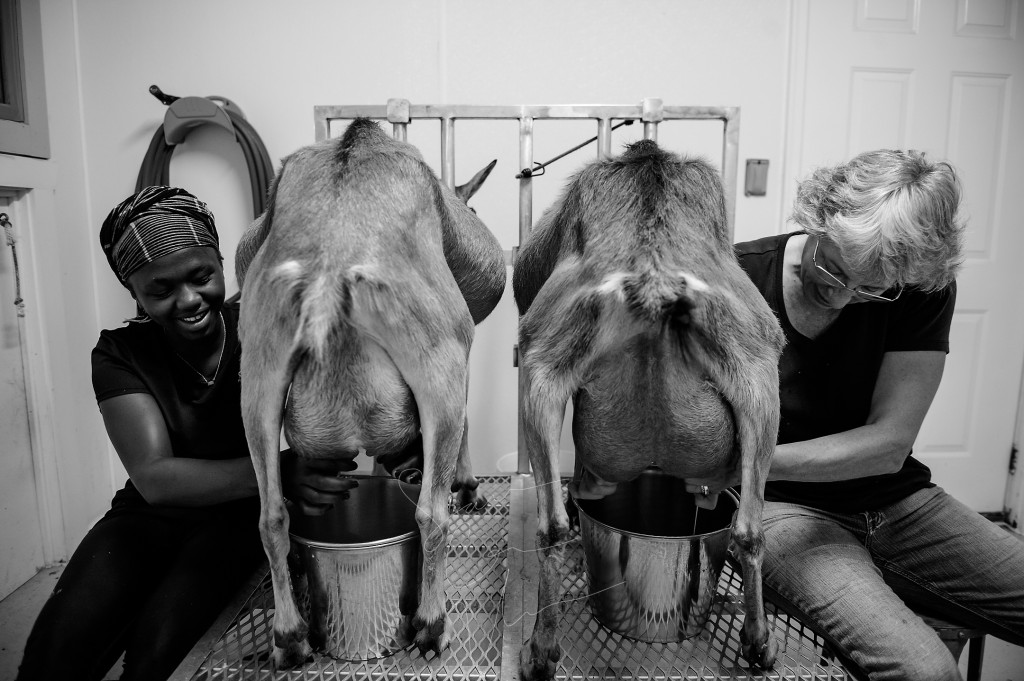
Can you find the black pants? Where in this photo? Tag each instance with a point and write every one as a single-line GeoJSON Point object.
{"type": "Point", "coordinates": [147, 582]}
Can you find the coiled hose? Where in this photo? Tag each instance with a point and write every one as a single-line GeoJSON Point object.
{"type": "Point", "coordinates": [155, 169]}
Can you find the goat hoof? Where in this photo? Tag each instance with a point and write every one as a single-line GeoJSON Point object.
{"type": "Point", "coordinates": [432, 636]}
{"type": "Point", "coordinates": [538, 662]}
{"type": "Point", "coordinates": [573, 512]}
{"type": "Point", "coordinates": [404, 632]}
{"type": "Point", "coordinates": [470, 500]}
{"type": "Point", "coordinates": [759, 655]}
{"type": "Point", "coordinates": [294, 653]}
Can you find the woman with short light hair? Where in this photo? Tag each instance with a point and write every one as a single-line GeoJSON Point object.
{"type": "Point", "coordinates": [856, 533]}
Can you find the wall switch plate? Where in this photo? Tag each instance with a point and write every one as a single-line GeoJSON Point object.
{"type": "Point", "coordinates": [757, 177]}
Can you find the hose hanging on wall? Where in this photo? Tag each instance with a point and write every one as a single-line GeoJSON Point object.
{"type": "Point", "coordinates": [185, 113]}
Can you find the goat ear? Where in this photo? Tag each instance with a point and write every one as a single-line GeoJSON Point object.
{"type": "Point", "coordinates": [466, 191]}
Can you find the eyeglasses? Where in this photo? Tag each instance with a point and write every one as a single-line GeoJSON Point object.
{"type": "Point", "coordinates": [855, 291]}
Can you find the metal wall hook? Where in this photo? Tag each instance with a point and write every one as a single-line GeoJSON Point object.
{"type": "Point", "coordinates": [185, 113]}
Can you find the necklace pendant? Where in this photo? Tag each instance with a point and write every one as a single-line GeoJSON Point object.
{"type": "Point", "coordinates": [223, 339]}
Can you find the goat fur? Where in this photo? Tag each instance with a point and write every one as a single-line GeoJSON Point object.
{"type": "Point", "coordinates": [634, 306]}
{"type": "Point", "coordinates": [362, 283]}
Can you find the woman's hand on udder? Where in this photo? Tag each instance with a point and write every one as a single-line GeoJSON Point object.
{"type": "Point", "coordinates": [316, 485]}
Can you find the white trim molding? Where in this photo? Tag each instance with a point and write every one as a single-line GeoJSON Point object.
{"type": "Point", "coordinates": [25, 210]}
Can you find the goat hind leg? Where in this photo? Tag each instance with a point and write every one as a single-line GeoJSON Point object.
{"type": "Point", "coordinates": [466, 486]}
{"type": "Point", "coordinates": [265, 383]}
{"type": "Point", "coordinates": [436, 373]}
{"type": "Point", "coordinates": [542, 426]}
{"type": "Point", "coordinates": [442, 418]}
{"type": "Point", "coordinates": [756, 427]}
{"type": "Point", "coordinates": [744, 368]}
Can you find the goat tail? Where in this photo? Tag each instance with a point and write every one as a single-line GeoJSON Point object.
{"type": "Point", "coordinates": [370, 302]}
{"type": "Point", "coordinates": [329, 301]}
{"type": "Point", "coordinates": [658, 297]}
{"type": "Point", "coordinates": [317, 298]}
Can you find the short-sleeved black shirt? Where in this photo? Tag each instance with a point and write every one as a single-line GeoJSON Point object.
{"type": "Point", "coordinates": [826, 384]}
{"type": "Point", "coordinates": [203, 422]}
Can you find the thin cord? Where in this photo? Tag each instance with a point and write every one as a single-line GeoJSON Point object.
{"type": "Point", "coordinates": [565, 600]}
{"type": "Point", "coordinates": [531, 172]}
{"type": "Point", "coordinates": [468, 507]}
{"type": "Point", "coordinates": [223, 341]}
{"type": "Point", "coordinates": [19, 302]}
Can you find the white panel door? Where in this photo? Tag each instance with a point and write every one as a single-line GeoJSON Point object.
{"type": "Point", "coordinates": [942, 76]}
{"type": "Point", "coordinates": [21, 548]}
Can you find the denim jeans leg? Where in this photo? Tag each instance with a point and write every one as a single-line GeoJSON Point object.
{"type": "Point", "coordinates": [818, 562]}
{"type": "Point", "coordinates": [948, 560]}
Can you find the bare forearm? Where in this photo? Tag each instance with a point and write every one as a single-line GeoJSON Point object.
{"type": "Point", "coordinates": [196, 482]}
{"type": "Point", "coordinates": [856, 453]}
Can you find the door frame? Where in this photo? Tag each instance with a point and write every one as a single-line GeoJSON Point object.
{"type": "Point", "coordinates": [26, 209]}
{"type": "Point", "coordinates": [1013, 502]}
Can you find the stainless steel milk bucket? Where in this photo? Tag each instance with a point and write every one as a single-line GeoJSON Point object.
{"type": "Point", "coordinates": [355, 570]}
{"type": "Point", "coordinates": [653, 560]}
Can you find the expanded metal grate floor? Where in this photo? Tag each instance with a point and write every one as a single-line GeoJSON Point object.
{"type": "Point", "coordinates": [491, 586]}
{"type": "Point", "coordinates": [477, 550]}
{"type": "Point", "coordinates": [590, 651]}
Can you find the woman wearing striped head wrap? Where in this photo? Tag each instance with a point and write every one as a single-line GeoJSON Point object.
{"type": "Point", "coordinates": [182, 536]}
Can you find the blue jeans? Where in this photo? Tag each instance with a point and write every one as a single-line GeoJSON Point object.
{"type": "Point", "coordinates": [854, 576]}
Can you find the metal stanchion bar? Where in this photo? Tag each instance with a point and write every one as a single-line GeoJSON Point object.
{"type": "Point", "coordinates": [525, 225]}
{"type": "Point", "coordinates": [651, 116]}
{"type": "Point", "coordinates": [604, 138]}
{"type": "Point", "coordinates": [730, 167]}
{"type": "Point", "coordinates": [448, 151]}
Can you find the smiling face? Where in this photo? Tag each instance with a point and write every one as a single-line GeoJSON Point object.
{"type": "Point", "coordinates": [182, 292]}
{"type": "Point", "coordinates": [826, 280]}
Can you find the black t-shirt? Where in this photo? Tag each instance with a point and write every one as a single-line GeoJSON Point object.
{"type": "Point", "coordinates": [203, 422]}
{"type": "Point", "coordinates": [826, 384]}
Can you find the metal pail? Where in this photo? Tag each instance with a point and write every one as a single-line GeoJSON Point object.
{"type": "Point", "coordinates": [654, 558]}
{"type": "Point", "coordinates": [355, 570]}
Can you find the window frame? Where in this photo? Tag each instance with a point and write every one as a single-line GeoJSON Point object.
{"type": "Point", "coordinates": [24, 127]}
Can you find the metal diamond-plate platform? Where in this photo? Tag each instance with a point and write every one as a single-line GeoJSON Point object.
{"type": "Point", "coordinates": [492, 603]}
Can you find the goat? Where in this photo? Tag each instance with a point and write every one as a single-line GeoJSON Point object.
{"type": "Point", "coordinates": [362, 283]}
{"type": "Point", "coordinates": [633, 304]}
